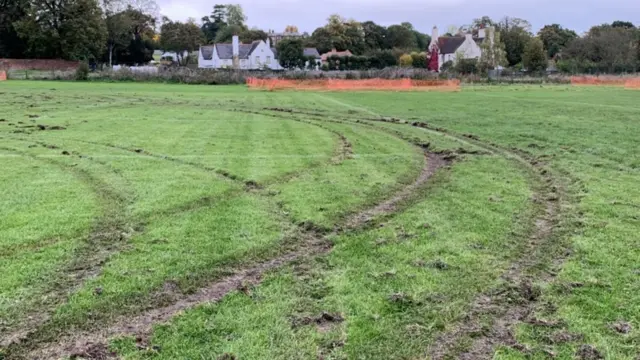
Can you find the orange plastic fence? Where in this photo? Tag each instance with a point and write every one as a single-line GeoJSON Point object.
{"type": "Point", "coordinates": [600, 80]}
{"type": "Point", "coordinates": [354, 85]}
{"type": "Point", "coordinates": [632, 84]}
{"type": "Point", "coordinates": [3, 75]}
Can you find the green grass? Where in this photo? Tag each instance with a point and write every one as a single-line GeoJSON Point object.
{"type": "Point", "coordinates": [171, 187]}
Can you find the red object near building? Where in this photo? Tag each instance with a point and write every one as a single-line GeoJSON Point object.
{"type": "Point", "coordinates": [433, 60]}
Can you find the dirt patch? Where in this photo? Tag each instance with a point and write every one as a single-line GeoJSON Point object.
{"type": "Point", "coordinates": [621, 327]}
{"type": "Point", "coordinates": [324, 321]}
{"type": "Point", "coordinates": [314, 242]}
{"type": "Point", "coordinates": [433, 163]}
{"type": "Point", "coordinates": [588, 352]}
{"type": "Point", "coordinates": [514, 302]}
{"type": "Point", "coordinates": [54, 127]}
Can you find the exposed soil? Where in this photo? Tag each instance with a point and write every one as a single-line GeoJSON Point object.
{"type": "Point", "coordinates": [312, 243]}
{"type": "Point", "coordinates": [433, 163]}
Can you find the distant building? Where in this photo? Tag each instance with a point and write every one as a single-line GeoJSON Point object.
{"type": "Point", "coordinates": [449, 48]}
{"type": "Point", "coordinates": [257, 55]}
{"type": "Point", "coordinates": [275, 37]}
{"type": "Point", "coordinates": [334, 52]}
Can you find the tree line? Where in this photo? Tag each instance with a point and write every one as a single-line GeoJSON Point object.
{"type": "Point", "coordinates": [128, 31]}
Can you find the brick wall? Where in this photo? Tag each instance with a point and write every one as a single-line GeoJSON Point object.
{"type": "Point", "coordinates": [37, 64]}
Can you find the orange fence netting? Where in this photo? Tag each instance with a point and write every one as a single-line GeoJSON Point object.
{"type": "Point", "coordinates": [354, 85]}
{"type": "Point", "coordinates": [629, 83]}
{"type": "Point", "coordinates": [3, 75]}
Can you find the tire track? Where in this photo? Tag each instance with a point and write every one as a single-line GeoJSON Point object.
{"type": "Point", "coordinates": [498, 303]}
{"type": "Point", "coordinates": [108, 234]}
{"type": "Point", "coordinates": [311, 242]}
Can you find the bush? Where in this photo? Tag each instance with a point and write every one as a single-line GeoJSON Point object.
{"type": "Point", "coordinates": [419, 60]}
{"type": "Point", "coordinates": [406, 60]}
{"type": "Point", "coordinates": [466, 66]}
{"type": "Point", "coordinates": [82, 72]}
{"type": "Point", "coordinates": [447, 66]}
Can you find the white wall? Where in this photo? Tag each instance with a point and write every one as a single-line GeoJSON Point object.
{"type": "Point", "coordinates": [469, 49]}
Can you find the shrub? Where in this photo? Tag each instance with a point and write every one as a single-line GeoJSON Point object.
{"type": "Point", "coordinates": [419, 60]}
{"type": "Point", "coordinates": [447, 66]}
{"type": "Point", "coordinates": [406, 60]}
{"type": "Point", "coordinates": [466, 66]}
{"type": "Point", "coordinates": [82, 72]}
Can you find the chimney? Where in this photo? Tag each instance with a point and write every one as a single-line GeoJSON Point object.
{"type": "Point", "coordinates": [268, 42]}
{"type": "Point", "coordinates": [236, 51]}
{"type": "Point", "coordinates": [481, 33]}
{"type": "Point", "coordinates": [434, 38]}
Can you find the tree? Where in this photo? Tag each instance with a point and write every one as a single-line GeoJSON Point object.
{"type": "Point", "coordinates": [482, 23]}
{"type": "Point", "coordinates": [622, 24]}
{"type": "Point", "coordinates": [130, 30]}
{"type": "Point", "coordinates": [374, 36]}
{"type": "Point", "coordinates": [213, 23]}
{"type": "Point", "coordinates": [226, 33]}
{"type": "Point", "coordinates": [235, 15]}
{"type": "Point", "coordinates": [65, 29]}
{"type": "Point", "coordinates": [422, 40]}
{"type": "Point", "coordinates": [249, 36]}
{"type": "Point", "coordinates": [11, 45]}
{"type": "Point", "coordinates": [291, 29]}
{"type": "Point", "coordinates": [321, 39]}
{"type": "Point", "coordinates": [515, 34]}
{"type": "Point", "coordinates": [493, 52]}
{"type": "Point", "coordinates": [180, 37]}
{"type": "Point", "coordinates": [400, 37]}
{"type": "Point", "coordinates": [555, 38]}
{"type": "Point", "coordinates": [341, 34]}
{"type": "Point", "coordinates": [534, 58]}
{"type": "Point", "coordinates": [604, 49]}
{"type": "Point", "coordinates": [291, 53]}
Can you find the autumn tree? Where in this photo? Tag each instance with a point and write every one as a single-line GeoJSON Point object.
{"type": "Point", "coordinates": [341, 34]}
{"type": "Point", "coordinates": [534, 58]}
{"type": "Point", "coordinates": [291, 29]}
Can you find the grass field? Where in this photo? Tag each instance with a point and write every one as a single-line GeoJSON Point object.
{"type": "Point", "coordinates": [148, 221]}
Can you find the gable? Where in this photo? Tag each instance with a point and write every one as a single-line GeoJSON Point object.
{"type": "Point", "coordinates": [207, 52]}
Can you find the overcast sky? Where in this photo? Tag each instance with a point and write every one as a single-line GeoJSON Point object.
{"type": "Point", "coordinates": [578, 15]}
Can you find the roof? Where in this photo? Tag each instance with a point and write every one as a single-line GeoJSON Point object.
{"type": "Point", "coordinates": [450, 44]}
{"type": "Point", "coordinates": [335, 53]}
{"type": "Point", "coordinates": [225, 51]}
{"type": "Point", "coordinates": [306, 52]}
{"type": "Point", "coordinates": [207, 52]}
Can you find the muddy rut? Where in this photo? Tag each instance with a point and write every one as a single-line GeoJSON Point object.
{"type": "Point", "coordinates": [310, 243]}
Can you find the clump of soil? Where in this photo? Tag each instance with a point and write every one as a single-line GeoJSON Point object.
{"type": "Point", "coordinates": [279, 109]}
{"type": "Point", "coordinates": [93, 351]}
{"type": "Point", "coordinates": [33, 116]}
{"type": "Point", "coordinates": [471, 136]}
{"type": "Point", "coordinates": [622, 327]}
{"type": "Point", "coordinates": [3, 120]}
{"type": "Point", "coordinates": [588, 352]}
{"type": "Point", "coordinates": [226, 356]}
{"type": "Point", "coordinates": [252, 185]}
{"type": "Point", "coordinates": [322, 319]}
{"type": "Point", "coordinates": [65, 152]}
{"type": "Point", "coordinates": [54, 127]}
{"type": "Point", "coordinates": [562, 337]}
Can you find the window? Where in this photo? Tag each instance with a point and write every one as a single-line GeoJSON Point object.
{"type": "Point", "coordinates": [268, 59]}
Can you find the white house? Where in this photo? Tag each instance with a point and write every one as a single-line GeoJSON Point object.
{"type": "Point", "coordinates": [257, 55]}
{"type": "Point", "coordinates": [451, 47]}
